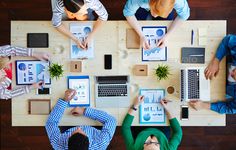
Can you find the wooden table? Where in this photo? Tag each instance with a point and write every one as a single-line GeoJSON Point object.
{"type": "Point", "coordinates": [111, 39]}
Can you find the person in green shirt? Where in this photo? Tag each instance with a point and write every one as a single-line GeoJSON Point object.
{"type": "Point", "coordinates": [151, 138]}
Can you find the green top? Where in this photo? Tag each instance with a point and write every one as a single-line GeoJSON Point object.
{"type": "Point", "coordinates": [138, 143]}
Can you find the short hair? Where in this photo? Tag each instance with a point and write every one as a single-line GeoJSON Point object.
{"type": "Point", "coordinates": [162, 7]}
{"type": "Point", "coordinates": [3, 62]}
{"type": "Point", "coordinates": [78, 141]}
{"type": "Point", "coordinates": [73, 5]}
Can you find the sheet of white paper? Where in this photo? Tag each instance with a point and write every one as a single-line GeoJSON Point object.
{"type": "Point", "coordinates": [151, 110]}
{"type": "Point", "coordinates": [153, 35]}
{"type": "Point", "coordinates": [202, 32]}
{"type": "Point", "coordinates": [29, 72]}
{"type": "Point", "coordinates": [81, 31]}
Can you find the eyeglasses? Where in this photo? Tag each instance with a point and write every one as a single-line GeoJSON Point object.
{"type": "Point", "coordinates": [150, 142]}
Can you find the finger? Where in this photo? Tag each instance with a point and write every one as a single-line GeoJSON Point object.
{"type": "Point", "coordinates": [208, 74]}
{"type": "Point", "coordinates": [147, 45]}
{"type": "Point", "coordinates": [217, 72]}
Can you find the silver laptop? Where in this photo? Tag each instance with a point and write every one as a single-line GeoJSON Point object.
{"type": "Point", "coordinates": [112, 91]}
{"type": "Point", "coordinates": [194, 84]}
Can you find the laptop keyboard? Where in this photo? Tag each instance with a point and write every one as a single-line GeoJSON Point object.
{"type": "Point", "coordinates": [112, 90]}
{"type": "Point", "coordinates": [193, 84]}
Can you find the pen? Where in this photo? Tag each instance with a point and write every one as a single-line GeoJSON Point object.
{"type": "Point", "coordinates": [192, 34]}
{"type": "Point", "coordinates": [42, 83]}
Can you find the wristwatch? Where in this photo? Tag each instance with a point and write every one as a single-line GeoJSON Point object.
{"type": "Point", "coordinates": [132, 107]}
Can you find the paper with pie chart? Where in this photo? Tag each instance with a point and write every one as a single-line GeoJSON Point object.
{"type": "Point", "coordinates": [81, 31]}
{"type": "Point", "coordinates": [81, 85]}
{"type": "Point", "coordinates": [153, 34]}
{"type": "Point", "coordinates": [32, 71]}
{"type": "Point", "coordinates": [151, 110]}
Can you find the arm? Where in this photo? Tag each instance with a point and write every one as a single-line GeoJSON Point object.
{"type": "Point", "coordinates": [126, 131]}
{"type": "Point", "coordinates": [224, 47]}
{"type": "Point", "coordinates": [8, 50]}
{"type": "Point", "coordinates": [100, 10]}
{"type": "Point", "coordinates": [8, 94]}
{"type": "Point", "coordinates": [228, 107]}
{"type": "Point", "coordinates": [52, 123]}
{"type": "Point", "coordinates": [182, 9]}
{"type": "Point", "coordinates": [126, 125]}
{"type": "Point", "coordinates": [108, 129]}
{"type": "Point", "coordinates": [177, 133]}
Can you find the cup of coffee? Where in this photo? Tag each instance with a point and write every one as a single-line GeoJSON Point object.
{"type": "Point", "coordinates": [170, 89]}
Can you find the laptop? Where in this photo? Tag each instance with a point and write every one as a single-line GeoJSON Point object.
{"type": "Point", "coordinates": [194, 84]}
{"type": "Point", "coordinates": [112, 91]}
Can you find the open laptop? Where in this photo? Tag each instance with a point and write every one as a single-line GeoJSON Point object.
{"type": "Point", "coordinates": [112, 91]}
{"type": "Point", "coordinates": [194, 84]}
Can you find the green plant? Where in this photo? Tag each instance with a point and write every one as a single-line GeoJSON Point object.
{"type": "Point", "coordinates": [162, 72]}
{"type": "Point", "coordinates": [56, 71]}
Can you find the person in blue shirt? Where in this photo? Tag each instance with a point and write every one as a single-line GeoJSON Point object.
{"type": "Point", "coordinates": [80, 137]}
{"type": "Point", "coordinates": [226, 48]}
{"type": "Point", "coordinates": [157, 8]}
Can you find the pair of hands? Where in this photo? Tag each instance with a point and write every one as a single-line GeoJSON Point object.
{"type": "Point", "coordinates": [84, 44]}
{"type": "Point", "coordinates": [69, 94]}
{"type": "Point", "coordinates": [161, 43]}
{"type": "Point", "coordinates": [140, 99]}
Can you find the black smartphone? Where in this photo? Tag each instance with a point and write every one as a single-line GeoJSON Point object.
{"type": "Point", "coordinates": [184, 112]}
{"type": "Point", "coordinates": [108, 61]}
{"type": "Point", "coordinates": [43, 91]}
{"type": "Point", "coordinates": [37, 40]}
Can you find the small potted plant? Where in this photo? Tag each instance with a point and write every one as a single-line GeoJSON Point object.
{"type": "Point", "coordinates": [56, 70]}
{"type": "Point", "coordinates": [162, 72]}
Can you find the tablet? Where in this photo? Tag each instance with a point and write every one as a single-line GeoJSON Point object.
{"type": "Point", "coordinates": [37, 40]}
{"type": "Point", "coordinates": [82, 86]}
{"type": "Point", "coordinates": [32, 71]}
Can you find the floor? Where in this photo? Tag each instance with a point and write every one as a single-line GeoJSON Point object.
{"type": "Point", "coordinates": [35, 138]}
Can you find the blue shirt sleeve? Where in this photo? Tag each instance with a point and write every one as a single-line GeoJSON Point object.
{"type": "Point", "coordinates": [108, 129]}
{"type": "Point", "coordinates": [228, 107]}
{"type": "Point", "coordinates": [227, 47]}
{"type": "Point", "coordinates": [131, 7]}
{"type": "Point", "coordinates": [182, 9]}
{"type": "Point", "coordinates": [53, 131]}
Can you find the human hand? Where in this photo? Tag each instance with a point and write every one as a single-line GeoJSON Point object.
{"type": "Point", "coordinates": [37, 85]}
{"type": "Point", "coordinates": [144, 43]}
{"type": "Point", "coordinates": [198, 104]}
{"type": "Point", "coordinates": [162, 42]}
{"type": "Point", "coordinates": [2, 73]}
{"type": "Point", "coordinates": [79, 44]}
{"type": "Point", "coordinates": [87, 41]}
{"type": "Point", "coordinates": [212, 69]}
{"type": "Point", "coordinates": [138, 101]}
{"type": "Point", "coordinates": [69, 94]}
{"type": "Point", "coordinates": [78, 111]}
{"type": "Point", "coordinates": [41, 55]}
{"type": "Point", "coordinates": [164, 103]}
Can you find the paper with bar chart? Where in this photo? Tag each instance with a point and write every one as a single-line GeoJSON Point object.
{"type": "Point", "coordinates": [151, 111]}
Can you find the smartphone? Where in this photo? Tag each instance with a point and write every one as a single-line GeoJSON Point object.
{"type": "Point", "coordinates": [37, 40]}
{"type": "Point", "coordinates": [184, 112]}
{"type": "Point", "coordinates": [108, 62]}
{"type": "Point", "coordinates": [43, 91]}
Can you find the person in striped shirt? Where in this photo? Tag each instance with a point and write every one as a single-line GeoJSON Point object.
{"type": "Point", "coordinates": [7, 51]}
{"type": "Point", "coordinates": [78, 10]}
{"type": "Point", "coordinates": [80, 137]}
